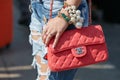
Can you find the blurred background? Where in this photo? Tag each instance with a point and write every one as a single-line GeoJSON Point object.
{"type": "Point", "coordinates": [15, 50]}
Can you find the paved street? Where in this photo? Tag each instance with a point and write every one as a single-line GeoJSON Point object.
{"type": "Point", "coordinates": [15, 62]}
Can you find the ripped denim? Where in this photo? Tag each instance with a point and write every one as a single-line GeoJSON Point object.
{"type": "Point", "coordinates": [39, 11]}
{"type": "Point", "coordinates": [40, 50]}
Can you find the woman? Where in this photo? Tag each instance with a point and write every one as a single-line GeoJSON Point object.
{"type": "Point", "coordinates": [43, 29]}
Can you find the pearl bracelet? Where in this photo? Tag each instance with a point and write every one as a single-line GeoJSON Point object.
{"type": "Point", "coordinates": [75, 15]}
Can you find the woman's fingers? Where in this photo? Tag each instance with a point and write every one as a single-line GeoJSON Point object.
{"type": "Point", "coordinates": [48, 38]}
{"type": "Point", "coordinates": [48, 35]}
{"type": "Point", "coordinates": [44, 37]}
{"type": "Point", "coordinates": [56, 39]}
{"type": "Point", "coordinates": [44, 33]}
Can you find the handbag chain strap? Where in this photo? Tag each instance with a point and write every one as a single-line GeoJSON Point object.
{"type": "Point", "coordinates": [90, 10]}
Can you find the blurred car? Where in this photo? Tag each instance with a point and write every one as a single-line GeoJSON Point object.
{"type": "Point", "coordinates": [6, 23]}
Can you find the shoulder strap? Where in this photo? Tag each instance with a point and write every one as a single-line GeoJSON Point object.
{"type": "Point", "coordinates": [51, 7]}
{"type": "Point", "coordinates": [90, 10]}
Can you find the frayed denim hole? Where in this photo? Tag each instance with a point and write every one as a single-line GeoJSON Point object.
{"type": "Point", "coordinates": [42, 74]}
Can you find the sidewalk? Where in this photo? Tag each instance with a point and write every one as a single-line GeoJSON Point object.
{"type": "Point", "coordinates": [15, 62]}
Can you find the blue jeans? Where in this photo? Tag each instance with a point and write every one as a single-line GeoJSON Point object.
{"type": "Point", "coordinates": [40, 9]}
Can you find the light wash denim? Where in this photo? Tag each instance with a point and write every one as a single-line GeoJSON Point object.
{"type": "Point", "coordinates": [40, 9]}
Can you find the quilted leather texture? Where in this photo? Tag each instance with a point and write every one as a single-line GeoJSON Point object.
{"type": "Point", "coordinates": [77, 48]}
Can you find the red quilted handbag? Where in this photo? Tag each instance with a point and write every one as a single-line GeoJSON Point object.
{"type": "Point", "coordinates": [77, 48]}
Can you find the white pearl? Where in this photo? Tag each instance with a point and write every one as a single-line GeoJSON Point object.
{"type": "Point", "coordinates": [74, 11]}
{"type": "Point", "coordinates": [71, 15]}
{"type": "Point", "coordinates": [78, 18]}
{"type": "Point", "coordinates": [74, 15]}
{"type": "Point", "coordinates": [73, 19]}
{"type": "Point", "coordinates": [73, 7]}
{"type": "Point", "coordinates": [78, 25]}
{"type": "Point", "coordinates": [78, 12]}
{"type": "Point", "coordinates": [70, 11]}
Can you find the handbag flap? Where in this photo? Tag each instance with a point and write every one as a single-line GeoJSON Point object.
{"type": "Point", "coordinates": [79, 37]}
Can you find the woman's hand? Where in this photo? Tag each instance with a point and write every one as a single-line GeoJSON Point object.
{"type": "Point", "coordinates": [54, 28]}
